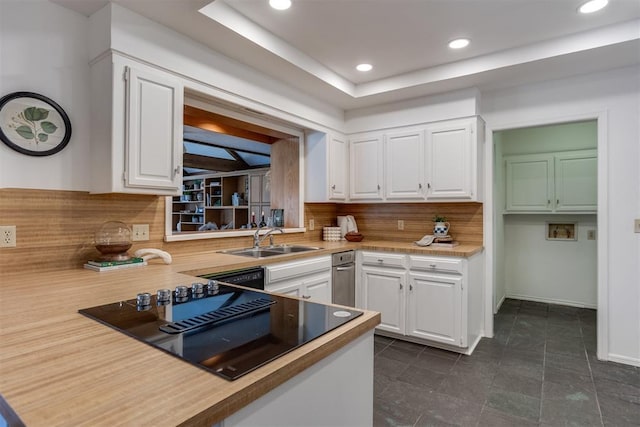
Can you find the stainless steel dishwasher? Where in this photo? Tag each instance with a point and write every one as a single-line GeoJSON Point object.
{"type": "Point", "coordinates": [343, 278]}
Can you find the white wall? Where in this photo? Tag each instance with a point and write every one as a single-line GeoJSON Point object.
{"type": "Point", "coordinates": [615, 95]}
{"type": "Point", "coordinates": [43, 49]}
{"type": "Point", "coordinates": [553, 271]}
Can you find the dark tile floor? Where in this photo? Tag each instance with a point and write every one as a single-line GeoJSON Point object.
{"type": "Point", "coordinates": [540, 369]}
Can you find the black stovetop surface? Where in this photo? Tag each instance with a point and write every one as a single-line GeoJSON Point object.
{"type": "Point", "coordinates": [228, 332]}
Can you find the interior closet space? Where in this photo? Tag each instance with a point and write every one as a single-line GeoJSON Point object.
{"type": "Point", "coordinates": [545, 186]}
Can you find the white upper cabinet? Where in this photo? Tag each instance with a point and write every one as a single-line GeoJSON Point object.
{"type": "Point", "coordinates": [136, 121]}
{"type": "Point", "coordinates": [326, 167]}
{"type": "Point", "coordinates": [432, 162]}
{"type": "Point", "coordinates": [403, 154]}
{"type": "Point", "coordinates": [338, 167]}
{"type": "Point", "coordinates": [552, 182]}
{"type": "Point", "coordinates": [452, 160]}
{"type": "Point", "coordinates": [529, 182]}
{"type": "Point", "coordinates": [366, 167]}
{"type": "Point", "coordinates": [576, 181]}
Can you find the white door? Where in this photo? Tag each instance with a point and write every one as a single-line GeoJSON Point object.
{"type": "Point", "coordinates": [448, 158]}
{"type": "Point", "coordinates": [434, 309]}
{"type": "Point", "coordinates": [404, 157]}
{"type": "Point", "coordinates": [529, 183]}
{"type": "Point", "coordinates": [576, 181]}
{"type": "Point", "coordinates": [153, 130]}
{"type": "Point", "coordinates": [383, 291]}
{"type": "Point", "coordinates": [338, 164]}
{"type": "Point", "coordinates": [366, 167]}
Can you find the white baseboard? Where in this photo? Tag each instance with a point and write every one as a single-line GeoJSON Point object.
{"type": "Point", "coordinates": [495, 311]}
{"type": "Point", "coordinates": [551, 301]}
{"type": "Point", "coordinates": [624, 360]}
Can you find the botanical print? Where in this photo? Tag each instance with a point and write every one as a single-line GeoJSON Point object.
{"type": "Point", "coordinates": [32, 124]}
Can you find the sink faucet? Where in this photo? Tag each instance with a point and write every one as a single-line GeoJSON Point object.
{"type": "Point", "coordinates": [257, 239]}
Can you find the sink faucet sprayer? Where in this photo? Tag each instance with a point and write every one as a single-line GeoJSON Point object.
{"type": "Point", "coordinates": [257, 239]}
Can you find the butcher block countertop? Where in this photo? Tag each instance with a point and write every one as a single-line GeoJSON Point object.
{"type": "Point", "coordinates": [58, 367]}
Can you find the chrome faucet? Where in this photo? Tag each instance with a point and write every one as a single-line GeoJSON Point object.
{"type": "Point", "coordinates": [257, 239]}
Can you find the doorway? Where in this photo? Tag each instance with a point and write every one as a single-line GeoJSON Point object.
{"type": "Point", "coordinates": [589, 225]}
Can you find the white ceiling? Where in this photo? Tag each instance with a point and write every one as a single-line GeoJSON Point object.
{"type": "Point", "coordinates": [315, 45]}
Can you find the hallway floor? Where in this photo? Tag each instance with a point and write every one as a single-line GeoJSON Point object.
{"type": "Point", "coordinates": [540, 369]}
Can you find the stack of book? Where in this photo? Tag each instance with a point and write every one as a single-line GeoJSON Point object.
{"type": "Point", "coordinates": [99, 265]}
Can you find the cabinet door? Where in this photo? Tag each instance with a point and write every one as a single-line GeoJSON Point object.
{"type": "Point", "coordinates": [404, 154]}
{"type": "Point", "coordinates": [434, 309]}
{"type": "Point", "coordinates": [153, 130]}
{"type": "Point", "coordinates": [383, 291]}
{"type": "Point", "coordinates": [529, 183]}
{"type": "Point", "coordinates": [576, 181]}
{"type": "Point", "coordinates": [366, 168]}
{"type": "Point", "coordinates": [338, 163]}
{"type": "Point", "coordinates": [291, 288]}
{"type": "Point", "coordinates": [449, 165]}
{"type": "Point", "coordinates": [317, 288]}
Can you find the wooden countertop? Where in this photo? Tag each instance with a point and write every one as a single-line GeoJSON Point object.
{"type": "Point", "coordinates": [58, 367]}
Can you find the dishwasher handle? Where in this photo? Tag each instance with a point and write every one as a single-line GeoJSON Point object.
{"type": "Point", "coordinates": [350, 267]}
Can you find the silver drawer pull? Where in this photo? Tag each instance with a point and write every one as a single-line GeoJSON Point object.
{"type": "Point", "coordinates": [380, 260]}
{"type": "Point", "coordinates": [433, 265]}
{"type": "Point", "coordinates": [306, 296]}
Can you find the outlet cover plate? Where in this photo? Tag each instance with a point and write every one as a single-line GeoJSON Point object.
{"type": "Point", "coordinates": [140, 232]}
{"type": "Point", "coordinates": [7, 236]}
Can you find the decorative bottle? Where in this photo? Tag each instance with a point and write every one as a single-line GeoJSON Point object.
{"type": "Point", "coordinates": [262, 223]}
{"type": "Point", "coordinates": [253, 220]}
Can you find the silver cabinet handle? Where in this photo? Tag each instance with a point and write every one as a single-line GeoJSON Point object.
{"type": "Point", "coordinates": [420, 185]}
{"type": "Point", "coordinates": [428, 185]}
{"type": "Point", "coordinates": [410, 287]}
{"type": "Point", "coordinates": [306, 296]}
{"type": "Point", "coordinates": [557, 201]}
{"type": "Point", "coordinates": [176, 171]}
{"type": "Point", "coordinates": [400, 286]}
{"type": "Point", "coordinates": [548, 201]}
{"type": "Point", "coordinates": [378, 186]}
{"type": "Point", "coordinates": [433, 265]}
{"type": "Point", "coordinates": [380, 260]}
{"type": "Point", "coordinates": [333, 187]}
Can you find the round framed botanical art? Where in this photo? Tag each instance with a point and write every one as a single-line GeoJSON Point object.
{"type": "Point", "coordinates": [33, 124]}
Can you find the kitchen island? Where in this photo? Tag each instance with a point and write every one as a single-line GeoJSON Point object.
{"type": "Point", "coordinates": [58, 367]}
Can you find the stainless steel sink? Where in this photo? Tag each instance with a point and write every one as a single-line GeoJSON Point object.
{"type": "Point", "coordinates": [268, 251]}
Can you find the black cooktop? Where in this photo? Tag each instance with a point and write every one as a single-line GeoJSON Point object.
{"type": "Point", "coordinates": [223, 329]}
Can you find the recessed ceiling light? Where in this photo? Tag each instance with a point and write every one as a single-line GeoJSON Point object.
{"type": "Point", "coordinates": [364, 67]}
{"type": "Point", "coordinates": [280, 4]}
{"type": "Point", "coordinates": [593, 6]}
{"type": "Point", "coordinates": [458, 43]}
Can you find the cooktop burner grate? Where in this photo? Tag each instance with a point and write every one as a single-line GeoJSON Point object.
{"type": "Point", "coordinates": [217, 316]}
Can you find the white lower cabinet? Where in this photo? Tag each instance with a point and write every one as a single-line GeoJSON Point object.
{"type": "Point", "coordinates": [430, 299]}
{"type": "Point", "coordinates": [383, 291]}
{"type": "Point", "coordinates": [308, 279]}
{"type": "Point", "coordinates": [435, 308]}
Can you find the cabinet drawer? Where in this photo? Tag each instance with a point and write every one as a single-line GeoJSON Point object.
{"type": "Point", "coordinates": [278, 272]}
{"type": "Point", "coordinates": [383, 259]}
{"type": "Point", "coordinates": [447, 265]}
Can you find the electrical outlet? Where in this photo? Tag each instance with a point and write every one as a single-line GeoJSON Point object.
{"type": "Point", "coordinates": [591, 234]}
{"type": "Point", "coordinates": [636, 226]}
{"type": "Point", "coordinates": [400, 224]}
{"type": "Point", "coordinates": [312, 225]}
{"type": "Point", "coordinates": [140, 232]}
{"type": "Point", "coordinates": [7, 236]}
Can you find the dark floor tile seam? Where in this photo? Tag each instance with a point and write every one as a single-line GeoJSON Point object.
{"type": "Point", "coordinates": [594, 388]}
